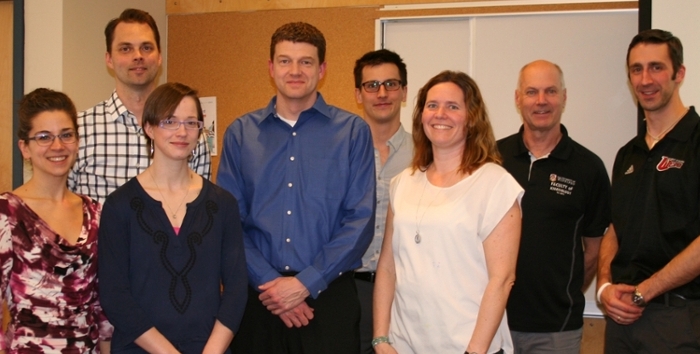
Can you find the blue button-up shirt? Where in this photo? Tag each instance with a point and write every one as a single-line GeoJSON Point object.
{"type": "Point", "coordinates": [306, 193]}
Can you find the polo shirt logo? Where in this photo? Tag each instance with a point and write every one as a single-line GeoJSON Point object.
{"type": "Point", "coordinates": [667, 163]}
{"type": "Point", "coordinates": [561, 185]}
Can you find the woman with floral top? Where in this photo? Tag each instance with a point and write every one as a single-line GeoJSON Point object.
{"type": "Point", "coordinates": [48, 241]}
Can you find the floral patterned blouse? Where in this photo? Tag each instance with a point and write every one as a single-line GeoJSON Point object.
{"type": "Point", "coordinates": [50, 286]}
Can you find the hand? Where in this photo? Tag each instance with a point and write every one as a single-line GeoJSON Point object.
{"type": "Point", "coordinates": [298, 316]}
{"type": "Point", "coordinates": [282, 294]}
{"type": "Point", "coordinates": [617, 302]}
{"type": "Point", "coordinates": [385, 348]}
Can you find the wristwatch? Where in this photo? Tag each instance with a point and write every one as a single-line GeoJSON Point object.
{"type": "Point", "coordinates": [638, 299]}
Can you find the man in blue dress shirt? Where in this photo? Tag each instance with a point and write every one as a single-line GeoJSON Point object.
{"type": "Point", "coordinates": [303, 174]}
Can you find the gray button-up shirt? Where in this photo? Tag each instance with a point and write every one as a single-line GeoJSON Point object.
{"type": "Point", "coordinates": [400, 156]}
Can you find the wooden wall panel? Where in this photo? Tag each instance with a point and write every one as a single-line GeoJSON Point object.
{"type": "Point", "coordinates": [225, 54]}
{"type": "Point", "coordinates": [6, 127]}
{"type": "Point", "coordinates": [209, 6]}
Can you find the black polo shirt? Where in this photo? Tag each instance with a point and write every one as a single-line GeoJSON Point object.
{"type": "Point", "coordinates": [656, 203]}
{"type": "Point", "coordinates": [567, 196]}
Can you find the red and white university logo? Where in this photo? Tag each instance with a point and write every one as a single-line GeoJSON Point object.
{"type": "Point", "coordinates": [667, 163]}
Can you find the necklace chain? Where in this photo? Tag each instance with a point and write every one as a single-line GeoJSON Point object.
{"type": "Point", "coordinates": [655, 139]}
{"type": "Point", "coordinates": [173, 213]}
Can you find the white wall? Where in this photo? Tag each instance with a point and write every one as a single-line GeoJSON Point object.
{"type": "Point", "coordinates": [65, 45]}
{"type": "Point", "coordinates": [680, 17]}
{"type": "Point", "coordinates": [43, 53]}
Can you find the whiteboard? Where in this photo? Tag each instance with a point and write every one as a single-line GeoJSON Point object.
{"type": "Point", "coordinates": [680, 17]}
{"type": "Point", "coordinates": [432, 50]}
{"type": "Point", "coordinates": [589, 46]}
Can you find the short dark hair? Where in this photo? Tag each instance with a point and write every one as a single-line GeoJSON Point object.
{"type": "Point", "coordinates": [657, 36]}
{"type": "Point", "coordinates": [299, 32]}
{"type": "Point", "coordinates": [131, 16]}
{"type": "Point", "coordinates": [378, 57]}
{"type": "Point", "coordinates": [480, 143]}
{"type": "Point", "coordinates": [43, 100]}
{"type": "Point", "coordinates": [163, 102]}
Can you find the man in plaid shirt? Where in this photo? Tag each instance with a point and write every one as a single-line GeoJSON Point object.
{"type": "Point", "coordinates": [112, 142]}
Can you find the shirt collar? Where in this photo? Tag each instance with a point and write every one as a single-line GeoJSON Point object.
{"type": "Point", "coordinates": [681, 132]}
{"type": "Point", "coordinates": [398, 139]}
{"type": "Point", "coordinates": [319, 105]}
{"type": "Point", "coordinates": [685, 127]}
{"type": "Point", "coordinates": [117, 111]}
{"type": "Point", "coordinates": [561, 151]}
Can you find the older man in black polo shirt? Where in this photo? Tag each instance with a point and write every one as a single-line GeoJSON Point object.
{"type": "Point", "coordinates": [565, 212]}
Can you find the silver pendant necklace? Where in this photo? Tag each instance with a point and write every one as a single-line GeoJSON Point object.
{"type": "Point", "coordinates": [418, 237]}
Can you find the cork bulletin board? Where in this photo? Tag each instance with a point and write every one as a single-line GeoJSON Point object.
{"type": "Point", "coordinates": [225, 54]}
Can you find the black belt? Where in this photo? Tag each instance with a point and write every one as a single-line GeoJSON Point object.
{"type": "Point", "coordinates": [293, 274]}
{"type": "Point", "coordinates": [366, 276]}
{"type": "Point", "coordinates": [672, 300]}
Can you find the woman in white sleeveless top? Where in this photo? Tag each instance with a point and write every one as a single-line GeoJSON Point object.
{"type": "Point", "coordinates": [448, 259]}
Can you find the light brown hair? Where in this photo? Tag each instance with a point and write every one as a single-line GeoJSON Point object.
{"type": "Point", "coordinates": [480, 143]}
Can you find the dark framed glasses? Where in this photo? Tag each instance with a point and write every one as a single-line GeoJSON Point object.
{"type": "Point", "coordinates": [389, 85]}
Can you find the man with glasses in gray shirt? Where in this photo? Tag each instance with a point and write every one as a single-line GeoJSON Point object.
{"type": "Point", "coordinates": [380, 87]}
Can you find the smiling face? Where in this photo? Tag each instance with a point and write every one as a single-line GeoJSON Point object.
{"type": "Point", "coordinates": [382, 106]}
{"type": "Point", "coordinates": [651, 76]}
{"type": "Point", "coordinates": [541, 96]}
{"type": "Point", "coordinates": [296, 70]}
{"type": "Point", "coordinates": [444, 116]}
{"type": "Point", "coordinates": [57, 158]}
{"type": "Point", "coordinates": [134, 56]}
{"type": "Point", "coordinates": [176, 144]}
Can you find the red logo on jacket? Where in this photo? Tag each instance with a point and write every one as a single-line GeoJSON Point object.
{"type": "Point", "coordinates": [667, 162]}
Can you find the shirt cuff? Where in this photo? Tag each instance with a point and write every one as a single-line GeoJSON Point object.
{"type": "Point", "coordinates": [313, 281]}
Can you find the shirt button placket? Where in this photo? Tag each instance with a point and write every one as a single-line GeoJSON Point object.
{"type": "Point", "coordinates": [289, 212]}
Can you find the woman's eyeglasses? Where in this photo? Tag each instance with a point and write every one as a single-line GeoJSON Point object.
{"type": "Point", "coordinates": [46, 139]}
{"type": "Point", "coordinates": [171, 124]}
